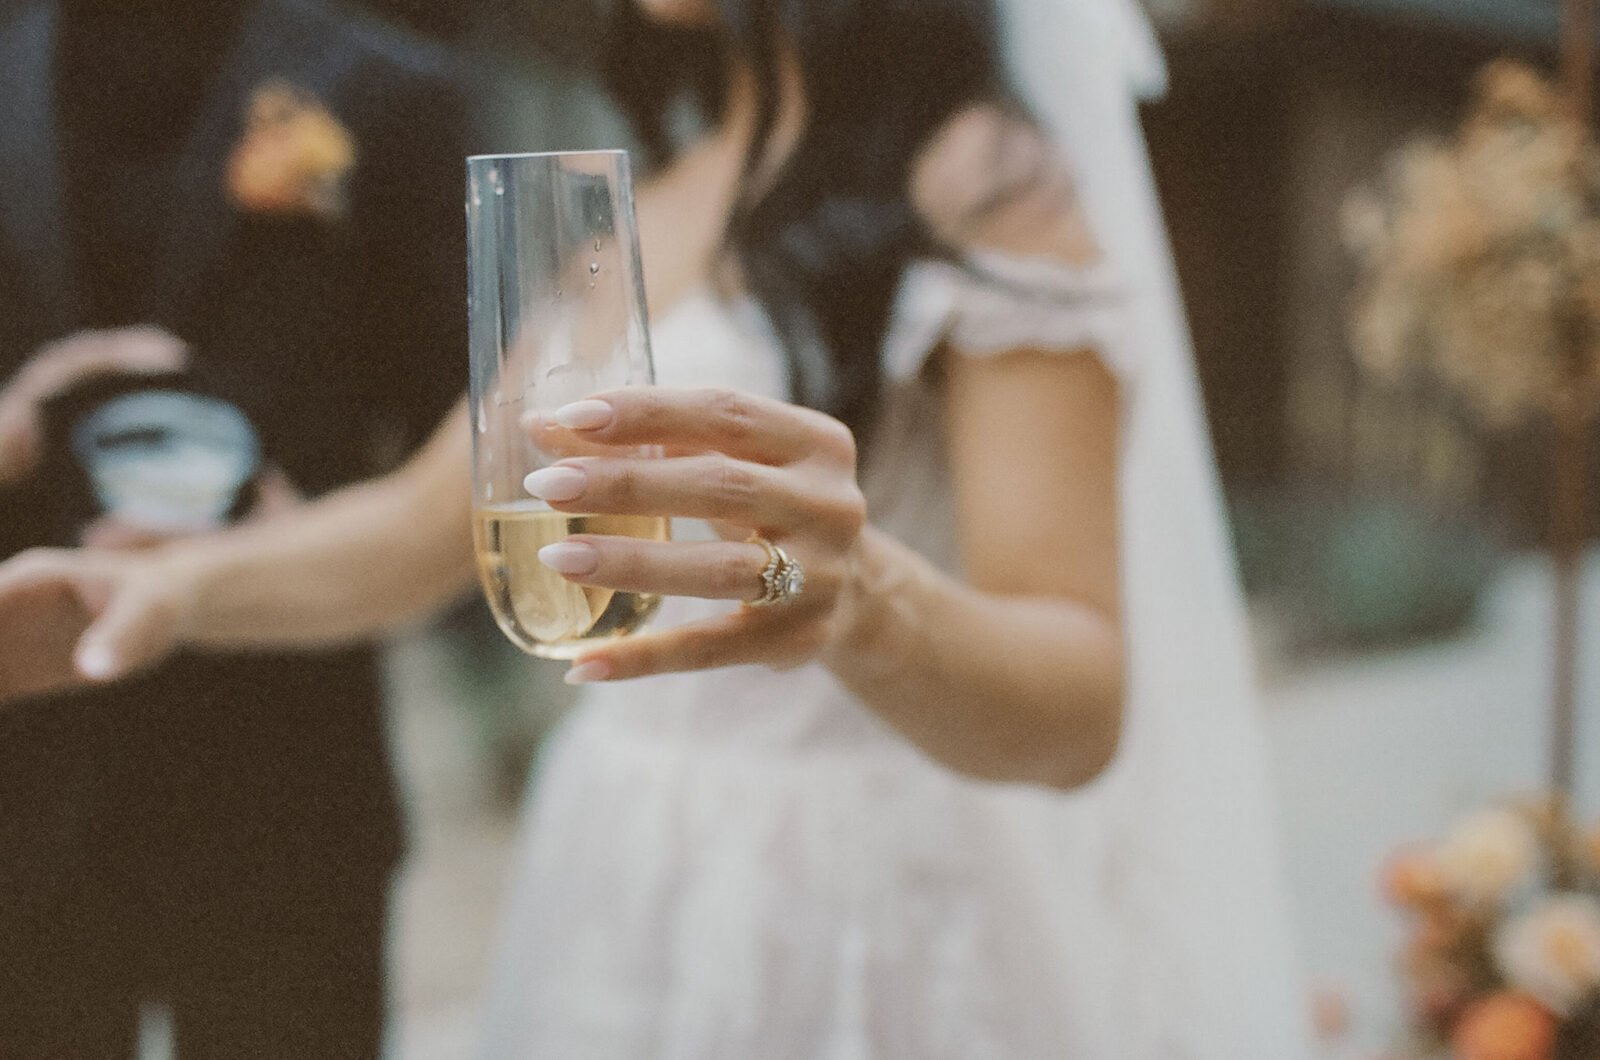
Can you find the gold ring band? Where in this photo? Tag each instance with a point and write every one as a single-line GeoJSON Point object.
{"type": "Point", "coordinates": [782, 579]}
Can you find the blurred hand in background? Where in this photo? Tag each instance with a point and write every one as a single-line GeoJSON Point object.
{"type": "Point", "coordinates": [57, 367]}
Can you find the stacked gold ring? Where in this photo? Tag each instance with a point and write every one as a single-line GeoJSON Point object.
{"type": "Point", "coordinates": [782, 579]}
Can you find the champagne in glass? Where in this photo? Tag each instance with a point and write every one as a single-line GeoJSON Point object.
{"type": "Point", "coordinates": [557, 315]}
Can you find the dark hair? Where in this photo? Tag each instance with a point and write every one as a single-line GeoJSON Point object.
{"type": "Point", "coordinates": [824, 245]}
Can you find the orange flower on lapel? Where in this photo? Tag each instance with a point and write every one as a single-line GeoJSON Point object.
{"type": "Point", "coordinates": [294, 157]}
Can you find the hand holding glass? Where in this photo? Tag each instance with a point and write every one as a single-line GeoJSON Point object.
{"type": "Point", "coordinates": [557, 314]}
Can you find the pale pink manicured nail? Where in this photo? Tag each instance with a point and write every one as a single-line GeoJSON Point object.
{"type": "Point", "coordinates": [570, 557]}
{"type": "Point", "coordinates": [96, 663]}
{"type": "Point", "coordinates": [585, 672]}
{"type": "Point", "coordinates": [588, 415]}
{"type": "Point", "coordinates": [557, 483]}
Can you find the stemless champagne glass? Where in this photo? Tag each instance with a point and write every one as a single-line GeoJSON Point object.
{"type": "Point", "coordinates": [557, 314]}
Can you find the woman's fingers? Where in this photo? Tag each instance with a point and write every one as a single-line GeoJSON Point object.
{"type": "Point", "coordinates": [734, 460]}
{"type": "Point", "coordinates": [708, 486]}
{"type": "Point", "coordinates": [711, 570]}
{"type": "Point", "coordinates": [764, 636]}
{"type": "Point", "coordinates": [137, 628]}
{"type": "Point", "coordinates": [32, 570]}
{"type": "Point", "coordinates": [129, 618]}
{"type": "Point", "coordinates": [745, 426]}
{"type": "Point", "coordinates": [556, 442]}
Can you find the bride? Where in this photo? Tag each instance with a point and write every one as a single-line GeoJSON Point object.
{"type": "Point", "coordinates": [990, 783]}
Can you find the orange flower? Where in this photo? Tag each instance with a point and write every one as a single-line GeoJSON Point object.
{"type": "Point", "coordinates": [1413, 879]}
{"type": "Point", "coordinates": [294, 156]}
{"type": "Point", "coordinates": [1504, 1026]}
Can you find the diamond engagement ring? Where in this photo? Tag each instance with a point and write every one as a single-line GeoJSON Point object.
{"type": "Point", "coordinates": [782, 579]}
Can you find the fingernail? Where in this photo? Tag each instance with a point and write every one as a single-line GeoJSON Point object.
{"type": "Point", "coordinates": [570, 557]}
{"type": "Point", "coordinates": [588, 415]}
{"type": "Point", "coordinates": [96, 663]}
{"type": "Point", "coordinates": [557, 483]}
{"type": "Point", "coordinates": [585, 672]}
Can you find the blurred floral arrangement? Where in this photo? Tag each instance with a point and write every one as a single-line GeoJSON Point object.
{"type": "Point", "coordinates": [1480, 268]}
{"type": "Point", "coordinates": [1473, 249]}
{"type": "Point", "coordinates": [1480, 264]}
{"type": "Point", "coordinates": [1503, 958]}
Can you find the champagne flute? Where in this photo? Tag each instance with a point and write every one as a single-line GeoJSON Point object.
{"type": "Point", "coordinates": [557, 309]}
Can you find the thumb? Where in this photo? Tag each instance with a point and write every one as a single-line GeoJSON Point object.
{"type": "Point", "coordinates": [136, 630]}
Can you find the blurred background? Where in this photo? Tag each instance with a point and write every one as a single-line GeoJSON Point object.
{"type": "Point", "coordinates": [1392, 543]}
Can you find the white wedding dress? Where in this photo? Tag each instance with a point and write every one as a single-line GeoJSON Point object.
{"type": "Point", "coordinates": [744, 865]}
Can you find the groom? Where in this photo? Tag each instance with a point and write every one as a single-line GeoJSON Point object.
{"type": "Point", "coordinates": [230, 277]}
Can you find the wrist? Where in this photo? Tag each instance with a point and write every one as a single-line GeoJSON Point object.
{"type": "Point", "coordinates": [877, 616]}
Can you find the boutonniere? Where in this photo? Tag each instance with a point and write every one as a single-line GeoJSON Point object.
{"type": "Point", "coordinates": [294, 158]}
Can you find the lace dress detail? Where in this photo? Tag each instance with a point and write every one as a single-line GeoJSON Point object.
{"type": "Point", "coordinates": [741, 864]}
{"type": "Point", "coordinates": [995, 304]}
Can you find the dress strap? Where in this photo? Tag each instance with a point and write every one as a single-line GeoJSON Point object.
{"type": "Point", "coordinates": [996, 303]}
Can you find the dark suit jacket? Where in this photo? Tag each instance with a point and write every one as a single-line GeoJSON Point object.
{"type": "Point", "coordinates": [233, 777]}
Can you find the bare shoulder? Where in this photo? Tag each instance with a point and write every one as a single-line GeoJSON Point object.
{"type": "Point", "coordinates": [990, 180]}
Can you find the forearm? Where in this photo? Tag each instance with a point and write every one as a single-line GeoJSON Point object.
{"type": "Point", "coordinates": [352, 565]}
{"type": "Point", "coordinates": [1004, 688]}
